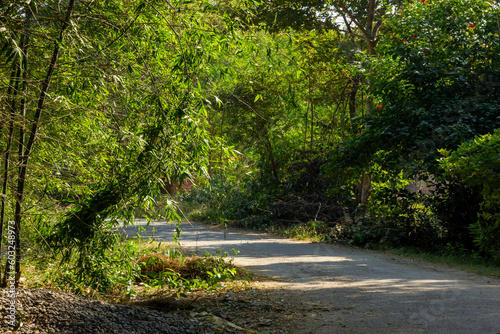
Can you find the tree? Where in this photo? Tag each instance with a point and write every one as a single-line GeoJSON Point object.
{"type": "Point", "coordinates": [280, 15]}
{"type": "Point", "coordinates": [26, 148]}
{"type": "Point", "coordinates": [354, 13]}
{"type": "Point", "coordinates": [119, 108]}
{"type": "Point", "coordinates": [434, 84]}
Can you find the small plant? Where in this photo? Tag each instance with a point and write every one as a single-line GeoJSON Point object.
{"type": "Point", "coordinates": [186, 273]}
{"type": "Point", "coordinates": [313, 230]}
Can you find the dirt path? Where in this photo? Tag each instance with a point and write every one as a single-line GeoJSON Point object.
{"type": "Point", "coordinates": [345, 290]}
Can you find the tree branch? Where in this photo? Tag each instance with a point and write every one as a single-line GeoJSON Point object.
{"type": "Point", "coordinates": [353, 18]}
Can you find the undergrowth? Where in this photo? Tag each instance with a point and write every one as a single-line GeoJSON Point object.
{"type": "Point", "coordinates": [315, 231]}
{"type": "Point", "coordinates": [450, 257]}
{"type": "Point", "coordinates": [139, 267]}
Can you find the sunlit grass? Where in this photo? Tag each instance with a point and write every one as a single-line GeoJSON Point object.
{"type": "Point", "coordinates": [297, 232]}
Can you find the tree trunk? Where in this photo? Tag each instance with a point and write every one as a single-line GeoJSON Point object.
{"type": "Point", "coordinates": [12, 94]}
{"type": "Point", "coordinates": [363, 189]}
{"type": "Point", "coordinates": [371, 47]}
{"type": "Point", "coordinates": [306, 125]}
{"type": "Point", "coordinates": [365, 185]}
{"type": "Point", "coordinates": [352, 97]}
{"type": "Point", "coordinates": [22, 120]}
{"type": "Point", "coordinates": [370, 33]}
{"type": "Point", "coordinates": [26, 151]}
{"type": "Point", "coordinates": [312, 128]}
{"type": "Point", "coordinates": [271, 156]}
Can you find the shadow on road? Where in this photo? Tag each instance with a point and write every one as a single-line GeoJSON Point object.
{"type": "Point", "coordinates": [366, 292]}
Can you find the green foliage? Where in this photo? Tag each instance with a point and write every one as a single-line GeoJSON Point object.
{"type": "Point", "coordinates": [278, 15]}
{"type": "Point", "coordinates": [123, 111]}
{"type": "Point", "coordinates": [119, 269]}
{"type": "Point", "coordinates": [208, 202]}
{"type": "Point", "coordinates": [184, 274]}
{"type": "Point", "coordinates": [304, 197]}
{"type": "Point", "coordinates": [282, 103]}
{"type": "Point", "coordinates": [477, 164]}
{"type": "Point", "coordinates": [435, 84]}
{"type": "Point", "coordinates": [393, 216]}
{"type": "Point", "coordinates": [245, 202]}
{"type": "Point", "coordinates": [315, 231]}
{"type": "Point", "coordinates": [433, 87]}
{"type": "Point", "coordinates": [84, 228]}
{"type": "Point", "coordinates": [399, 219]}
{"type": "Point", "coordinates": [124, 270]}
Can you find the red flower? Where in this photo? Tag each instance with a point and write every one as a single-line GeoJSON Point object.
{"type": "Point", "coordinates": [425, 50]}
{"type": "Point", "coordinates": [415, 36]}
{"type": "Point", "coordinates": [472, 26]}
{"type": "Point", "coordinates": [379, 106]}
{"type": "Point", "coordinates": [423, 1]}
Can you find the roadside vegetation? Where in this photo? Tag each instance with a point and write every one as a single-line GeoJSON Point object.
{"type": "Point", "coordinates": [154, 267]}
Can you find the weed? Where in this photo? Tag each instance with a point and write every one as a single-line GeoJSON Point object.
{"type": "Point", "coordinates": [135, 265]}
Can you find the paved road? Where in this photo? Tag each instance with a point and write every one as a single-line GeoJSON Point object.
{"type": "Point", "coordinates": [355, 291]}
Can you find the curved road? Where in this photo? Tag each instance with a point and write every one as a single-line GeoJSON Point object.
{"type": "Point", "coordinates": [352, 290]}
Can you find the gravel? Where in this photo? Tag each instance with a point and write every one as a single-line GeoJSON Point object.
{"type": "Point", "coordinates": [43, 311]}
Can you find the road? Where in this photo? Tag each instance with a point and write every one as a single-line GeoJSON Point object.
{"type": "Point", "coordinates": [353, 290]}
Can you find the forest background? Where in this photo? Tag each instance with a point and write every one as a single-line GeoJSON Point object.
{"type": "Point", "coordinates": [366, 122]}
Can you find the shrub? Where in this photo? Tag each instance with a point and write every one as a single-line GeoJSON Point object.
{"type": "Point", "coordinates": [477, 164]}
{"type": "Point", "coordinates": [159, 269]}
{"type": "Point", "coordinates": [396, 218]}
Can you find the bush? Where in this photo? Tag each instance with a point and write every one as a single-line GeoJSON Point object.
{"type": "Point", "coordinates": [477, 164]}
{"type": "Point", "coordinates": [221, 200]}
{"type": "Point", "coordinates": [304, 195]}
{"type": "Point", "coordinates": [158, 269]}
{"type": "Point", "coordinates": [456, 205]}
{"type": "Point", "coordinates": [396, 218]}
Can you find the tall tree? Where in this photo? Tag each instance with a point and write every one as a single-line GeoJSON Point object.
{"type": "Point", "coordinates": [117, 109]}
{"type": "Point", "coordinates": [436, 84]}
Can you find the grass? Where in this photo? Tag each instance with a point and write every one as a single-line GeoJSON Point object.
{"type": "Point", "coordinates": [160, 267]}
{"type": "Point", "coordinates": [314, 231]}
{"type": "Point", "coordinates": [466, 262]}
